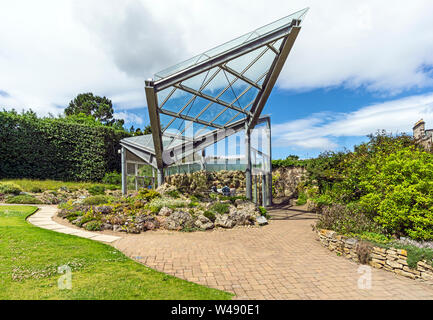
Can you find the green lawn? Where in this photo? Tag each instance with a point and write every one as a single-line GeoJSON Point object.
{"type": "Point", "coordinates": [30, 257]}
{"type": "Point", "coordinates": [28, 184]}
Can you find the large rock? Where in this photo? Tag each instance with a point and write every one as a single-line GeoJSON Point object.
{"type": "Point", "coordinates": [203, 223]}
{"type": "Point", "coordinates": [225, 221]}
{"type": "Point", "coordinates": [146, 222]}
{"type": "Point", "coordinates": [261, 220]}
{"type": "Point", "coordinates": [178, 220]}
{"type": "Point", "coordinates": [165, 211]}
{"type": "Point", "coordinates": [103, 209]}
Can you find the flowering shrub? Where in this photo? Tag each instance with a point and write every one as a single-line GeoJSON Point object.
{"type": "Point", "coordinates": [391, 179]}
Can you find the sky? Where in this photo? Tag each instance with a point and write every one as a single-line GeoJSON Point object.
{"type": "Point", "coordinates": [356, 67]}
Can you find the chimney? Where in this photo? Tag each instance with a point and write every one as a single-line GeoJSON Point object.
{"type": "Point", "coordinates": [419, 129]}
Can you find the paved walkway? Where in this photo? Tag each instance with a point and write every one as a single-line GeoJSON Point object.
{"type": "Point", "coordinates": [43, 219]}
{"type": "Point", "coordinates": [280, 261]}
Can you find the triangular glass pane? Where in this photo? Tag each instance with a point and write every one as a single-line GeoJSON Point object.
{"type": "Point", "coordinates": [218, 84]}
{"type": "Point", "coordinates": [262, 80]}
{"type": "Point", "coordinates": [211, 112]}
{"type": "Point", "coordinates": [196, 107]}
{"type": "Point", "coordinates": [261, 66]}
{"type": "Point", "coordinates": [176, 126]}
{"type": "Point", "coordinates": [239, 64]}
{"type": "Point", "coordinates": [235, 118]}
{"type": "Point", "coordinates": [197, 81]}
{"type": "Point", "coordinates": [239, 88]}
{"type": "Point", "coordinates": [163, 94]}
{"type": "Point", "coordinates": [228, 96]}
{"type": "Point", "coordinates": [200, 129]}
{"type": "Point", "coordinates": [164, 120]}
{"type": "Point", "coordinates": [247, 97]}
{"type": "Point", "coordinates": [177, 102]}
{"type": "Point", "coordinates": [226, 117]}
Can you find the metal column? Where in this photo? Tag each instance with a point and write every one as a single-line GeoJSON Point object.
{"type": "Point", "coordinates": [124, 172]}
{"type": "Point", "coordinates": [160, 177]}
{"type": "Point", "coordinates": [269, 174]}
{"type": "Point", "coordinates": [248, 177]}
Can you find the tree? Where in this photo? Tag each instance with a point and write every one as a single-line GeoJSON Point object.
{"type": "Point", "coordinates": [101, 108]}
{"type": "Point", "coordinates": [147, 129]}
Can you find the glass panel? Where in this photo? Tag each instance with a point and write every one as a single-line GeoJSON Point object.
{"type": "Point", "coordinates": [163, 94]}
{"type": "Point", "coordinates": [211, 112]}
{"type": "Point", "coordinates": [226, 116]}
{"type": "Point", "coordinates": [177, 102]}
{"type": "Point", "coordinates": [176, 126]}
{"type": "Point", "coordinates": [196, 107]}
{"type": "Point", "coordinates": [197, 81]}
{"type": "Point", "coordinates": [164, 120]}
{"type": "Point", "coordinates": [261, 66]}
{"type": "Point", "coordinates": [247, 97]}
{"type": "Point", "coordinates": [239, 64]}
{"type": "Point", "coordinates": [218, 84]}
{"type": "Point", "coordinates": [284, 22]}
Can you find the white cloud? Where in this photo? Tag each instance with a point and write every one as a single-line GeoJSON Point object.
{"type": "Point", "coordinates": [52, 50]}
{"type": "Point", "coordinates": [128, 117]}
{"type": "Point", "coordinates": [319, 131]}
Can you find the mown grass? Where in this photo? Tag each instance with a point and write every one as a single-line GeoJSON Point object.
{"type": "Point", "coordinates": [29, 185]}
{"type": "Point", "coordinates": [30, 257]}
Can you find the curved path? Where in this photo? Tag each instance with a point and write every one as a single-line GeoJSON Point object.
{"type": "Point", "coordinates": [283, 260]}
{"type": "Point", "coordinates": [43, 219]}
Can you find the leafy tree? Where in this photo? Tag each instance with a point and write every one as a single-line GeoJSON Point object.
{"type": "Point", "coordinates": [101, 108]}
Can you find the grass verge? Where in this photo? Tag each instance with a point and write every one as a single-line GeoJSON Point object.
{"type": "Point", "coordinates": [29, 185]}
{"type": "Point", "coordinates": [30, 257]}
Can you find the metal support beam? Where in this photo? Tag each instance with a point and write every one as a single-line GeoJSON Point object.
{"type": "Point", "coordinates": [271, 77]}
{"type": "Point", "coordinates": [248, 177]}
{"type": "Point", "coordinates": [240, 76]}
{"type": "Point", "coordinates": [124, 172]}
{"type": "Point", "coordinates": [152, 106]}
{"type": "Point", "coordinates": [160, 177]}
{"type": "Point", "coordinates": [269, 175]}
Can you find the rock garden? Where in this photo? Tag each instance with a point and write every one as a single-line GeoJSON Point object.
{"type": "Point", "coordinates": [165, 208]}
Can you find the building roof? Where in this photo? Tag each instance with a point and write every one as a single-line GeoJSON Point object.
{"type": "Point", "coordinates": [219, 88]}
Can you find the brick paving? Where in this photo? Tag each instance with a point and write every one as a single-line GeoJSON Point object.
{"type": "Point", "coordinates": [280, 261]}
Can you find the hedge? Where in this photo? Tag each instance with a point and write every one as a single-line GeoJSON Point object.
{"type": "Point", "coordinates": [55, 148]}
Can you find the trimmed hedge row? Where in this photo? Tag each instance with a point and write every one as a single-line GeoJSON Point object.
{"type": "Point", "coordinates": [55, 148]}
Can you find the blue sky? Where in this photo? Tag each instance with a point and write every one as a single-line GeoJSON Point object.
{"type": "Point", "coordinates": [356, 67]}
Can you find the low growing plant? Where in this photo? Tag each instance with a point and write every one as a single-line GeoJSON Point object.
{"type": "Point", "coordinates": [220, 208]}
{"type": "Point", "coordinates": [93, 225]}
{"type": "Point", "coordinates": [97, 200]}
{"type": "Point", "coordinates": [96, 190]}
{"type": "Point", "coordinates": [10, 188]}
{"type": "Point", "coordinates": [210, 215]}
{"type": "Point", "coordinates": [23, 199]}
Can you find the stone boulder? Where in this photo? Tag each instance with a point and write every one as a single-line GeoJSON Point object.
{"type": "Point", "coordinates": [178, 220]}
{"type": "Point", "coordinates": [203, 223]}
{"type": "Point", "coordinates": [165, 211]}
{"type": "Point", "coordinates": [146, 222]}
{"type": "Point", "coordinates": [225, 221]}
{"type": "Point", "coordinates": [103, 209]}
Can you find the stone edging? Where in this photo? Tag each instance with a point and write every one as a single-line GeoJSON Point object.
{"type": "Point", "coordinates": [43, 219]}
{"type": "Point", "coordinates": [391, 259]}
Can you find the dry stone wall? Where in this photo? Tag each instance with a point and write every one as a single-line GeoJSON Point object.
{"type": "Point", "coordinates": [285, 181]}
{"type": "Point", "coordinates": [391, 259]}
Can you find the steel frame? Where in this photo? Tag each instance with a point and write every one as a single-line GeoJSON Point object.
{"type": "Point", "coordinates": [163, 156]}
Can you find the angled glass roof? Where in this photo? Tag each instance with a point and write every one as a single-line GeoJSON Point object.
{"type": "Point", "coordinates": [226, 85]}
{"type": "Point", "coordinates": [230, 45]}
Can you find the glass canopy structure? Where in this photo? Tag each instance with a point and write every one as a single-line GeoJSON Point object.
{"type": "Point", "coordinates": [204, 99]}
